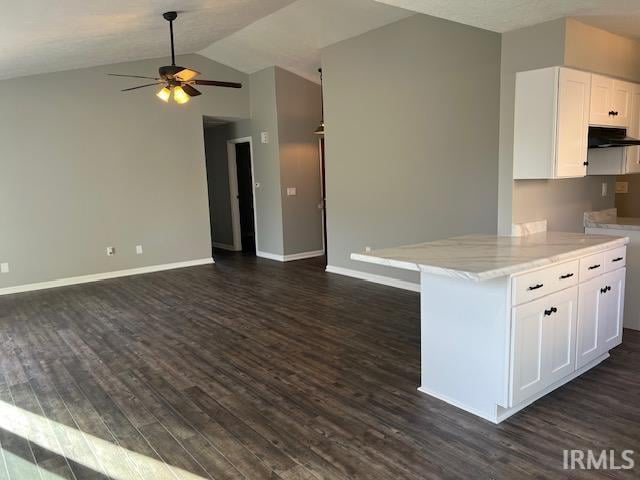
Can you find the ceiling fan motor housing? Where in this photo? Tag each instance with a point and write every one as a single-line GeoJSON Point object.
{"type": "Point", "coordinates": [169, 71]}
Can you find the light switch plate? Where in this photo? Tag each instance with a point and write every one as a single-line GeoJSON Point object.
{"type": "Point", "coordinates": [139, 249]}
{"type": "Point", "coordinates": [292, 191]}
{"type": "Point", "coordinates": [622, 187]}
{"type": "Point", "coordinates": [264, 137]}
{"type": "Point", "coordinates": [4, 268]}
{"type": "Point", "coordinates": [605, 189]}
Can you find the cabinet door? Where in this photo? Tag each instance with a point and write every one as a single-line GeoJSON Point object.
{"type": "Point", "coordinates": [601, 100]}
{"type": "Point", "coordinates": [573, 123]}
{"type": "Point", "coordinates": [621, 103]}
{"type": "Point", "coordinates": [633, 153]}
{"type": "Point", "coordinates": [589, 305]}
{"type": "Point", "coordinates": [544, 336]}
{"type": "Point", "coordinates": [612, 310]}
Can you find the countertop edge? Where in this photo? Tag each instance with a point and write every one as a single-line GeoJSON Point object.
{"type": "Point", "coordinates": [491, 274]}
{"type": "Point", "coordinates": [612, 226]}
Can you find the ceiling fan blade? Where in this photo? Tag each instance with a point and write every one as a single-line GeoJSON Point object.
{"type": "Point", "coordinates": [186, 74]}
{"type": "Point", "coordinates": [131, 76]}
{"type": "Point", "coordinates": [215, 83]}
{"type": "Point", "coordinates": [142, 86]}
{"type": "Point", "coordinates": [189, 90]}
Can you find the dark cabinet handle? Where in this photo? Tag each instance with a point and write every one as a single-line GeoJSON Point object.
{"type": "Point", "coordinates": [586, 164]}
{"type": "Point", "coordinates": [619, 259]}
{"type": "Point", "coordinates": [608, 289]}
{"type": "Point", "coordinates": [593, 267]}
{"type": "Point", "coordinates": [536, 287]}
{"type": "Point", "coordinates": [605, 289]}
{"type": "Point", "coordinates": [611, 113]}
{"type": "Point", "coordinates": [615, 113]}
{"type": "Point", "coordinates": [547, 313]}
{"type": "Point", "coordinates": [564, 277]}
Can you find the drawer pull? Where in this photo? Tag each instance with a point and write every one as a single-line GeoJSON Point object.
{"type": "Point", "coordinates": [547, 313]}
{"type": "Point", "coordinates": [536, 287]}
{"type": "Point", "coordinates": [619, 259]}
{"type": "Point", "coordinates": [593, 267]}
{"type": "Point", "coordinates": [605, 289]}
{"type": "Point", "coordinates": [564, 277]}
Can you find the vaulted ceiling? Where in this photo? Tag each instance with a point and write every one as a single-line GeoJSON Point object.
{"type": "Point", "coordinates": [293, 37]}
{"type": "Point", "coordinates": [38, 36]}
{"type": "Point", "coordinates": [619, 16]}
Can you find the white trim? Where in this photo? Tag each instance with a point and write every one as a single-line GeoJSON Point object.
{"type": "Point", "coordinates": [270, 256]}
{"type": "Point", "coordinates": [233, 191]}
{"type": "Point", "coordinates": [303, 255]}
{"type": "Point", "coordinates": [290, 258]}
{"type": "Point", "coordinates": [96, 277]}
{"type": "Point", "coordinates": [370, 277]}
{"type": "Point", "coordinates": [225, 246]}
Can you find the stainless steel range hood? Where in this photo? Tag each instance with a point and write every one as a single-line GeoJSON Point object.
{"type": "Point", "coordinates": [603, 137]}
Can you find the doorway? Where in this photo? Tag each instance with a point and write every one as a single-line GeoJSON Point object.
{"type": "Point", "coordinates": [245, 197]}
{"type": "Point", "coordinates": [242, 193]}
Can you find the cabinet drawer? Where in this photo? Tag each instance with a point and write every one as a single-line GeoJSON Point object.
{"type": "Point", "coordinates": [614, 259]}
{"type": "Point", "coordinates": [591, 266]}
{"type": "Point", "coordinates": [530, 286]}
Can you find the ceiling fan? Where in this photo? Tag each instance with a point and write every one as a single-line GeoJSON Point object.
{"type": "Point", "coordinates": [177, 81]}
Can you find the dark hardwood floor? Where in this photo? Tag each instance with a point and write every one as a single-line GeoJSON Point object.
{"type": "Point", "coordinates": [254, 369]}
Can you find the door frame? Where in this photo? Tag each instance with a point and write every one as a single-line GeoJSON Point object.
{"type": "Point", "coordinates": [233, 192]}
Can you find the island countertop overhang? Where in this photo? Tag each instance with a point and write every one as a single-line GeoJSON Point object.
{"type": "Point", "coordinates": [485, 257]}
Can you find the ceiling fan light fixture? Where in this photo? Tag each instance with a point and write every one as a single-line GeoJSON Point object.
{"type": "Point", "coordinates": [164, 94]}
{"type": "Point", "coordinates": [180, 96]}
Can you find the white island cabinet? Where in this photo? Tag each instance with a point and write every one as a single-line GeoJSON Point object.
{"type": "Point", "coordinates": [506, 320]}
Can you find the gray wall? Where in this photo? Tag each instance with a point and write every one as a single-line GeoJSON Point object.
{"type": "Point", "coordinates": [412, 136]}
{"type": "Point", "coordinates": [215, 141]}
{"type": "Point", "coordinates": [85, 166]}
{"type": "Point", "coordinates": [561, 42]}
{"type": "Point", "coordinates": [299, 113]}
{"type": "Point", "coordinates": [266, 160]}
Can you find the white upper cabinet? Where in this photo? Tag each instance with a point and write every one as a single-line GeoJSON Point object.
{"type": "Point", "coordinates": [551, 123]}
{"type": "Point", "coordinates": [633, 153]}
{"type": "Point", "coordinates": [610, 102]}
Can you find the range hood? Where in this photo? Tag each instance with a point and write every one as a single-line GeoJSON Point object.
{"type": "Point", "coordinates": [602, 137]}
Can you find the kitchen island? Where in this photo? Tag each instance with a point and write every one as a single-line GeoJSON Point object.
{"type": "Point", "coordinates": [506, 320]}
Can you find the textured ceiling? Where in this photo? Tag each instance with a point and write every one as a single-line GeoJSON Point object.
{"type": "Point", "coordinates": [504, 15]}
{"type": "Point", "coordinates": [293, 36]}
{"type": "Point", "coordinates": [38, 36]}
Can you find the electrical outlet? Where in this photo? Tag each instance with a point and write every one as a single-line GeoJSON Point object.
{"type": "Point", "coordinates": [111, 251]}
{"type": "Point", "coordinates": [4, 268]}
{"type": "Point", "coordinates": [367, 249]}
{"type": "Point", "coordinates": [138, 249]}
{"type": "Point", "coordinates": [622, 187]}
{"type": "Point", "coordinates": [292, 191]}
{"type": "Point", "coordinates": [605, 189]}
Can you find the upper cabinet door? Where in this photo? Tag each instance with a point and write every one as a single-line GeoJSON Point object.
{"type": "Point", "coordinates": [622, 95]}
{"type": "Point", "coordinates": [574, 91]}
{"type": "Point", "coordinates": [633, 153]}
{"type": "Point", "coordinates": [601, 100]}
{"type": "Point", "coordinates": [551, 123]}
{"type": "Point", "coordinates": [610, 102]}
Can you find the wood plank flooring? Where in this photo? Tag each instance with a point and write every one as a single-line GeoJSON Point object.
{"type": "Point", "coordinates": [253, 369]}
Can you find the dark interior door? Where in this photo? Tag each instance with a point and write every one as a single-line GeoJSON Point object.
{"type": "Point", "coordinates": [245, 197]}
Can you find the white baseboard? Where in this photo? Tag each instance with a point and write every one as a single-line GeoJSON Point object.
{"type": "Point", "coordinates": [370, 277]}
{"type": "Point", "coordinates": [290, 258]}
{"type": "Point", "coordinates": [96, 277]}
{"type": "Point", "coordinates": [225, 246]}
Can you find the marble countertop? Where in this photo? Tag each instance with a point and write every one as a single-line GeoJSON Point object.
{"type": "Point", "coordinates": [484, 257]}
{"type": "Point", "coordinates": [608, 219]}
